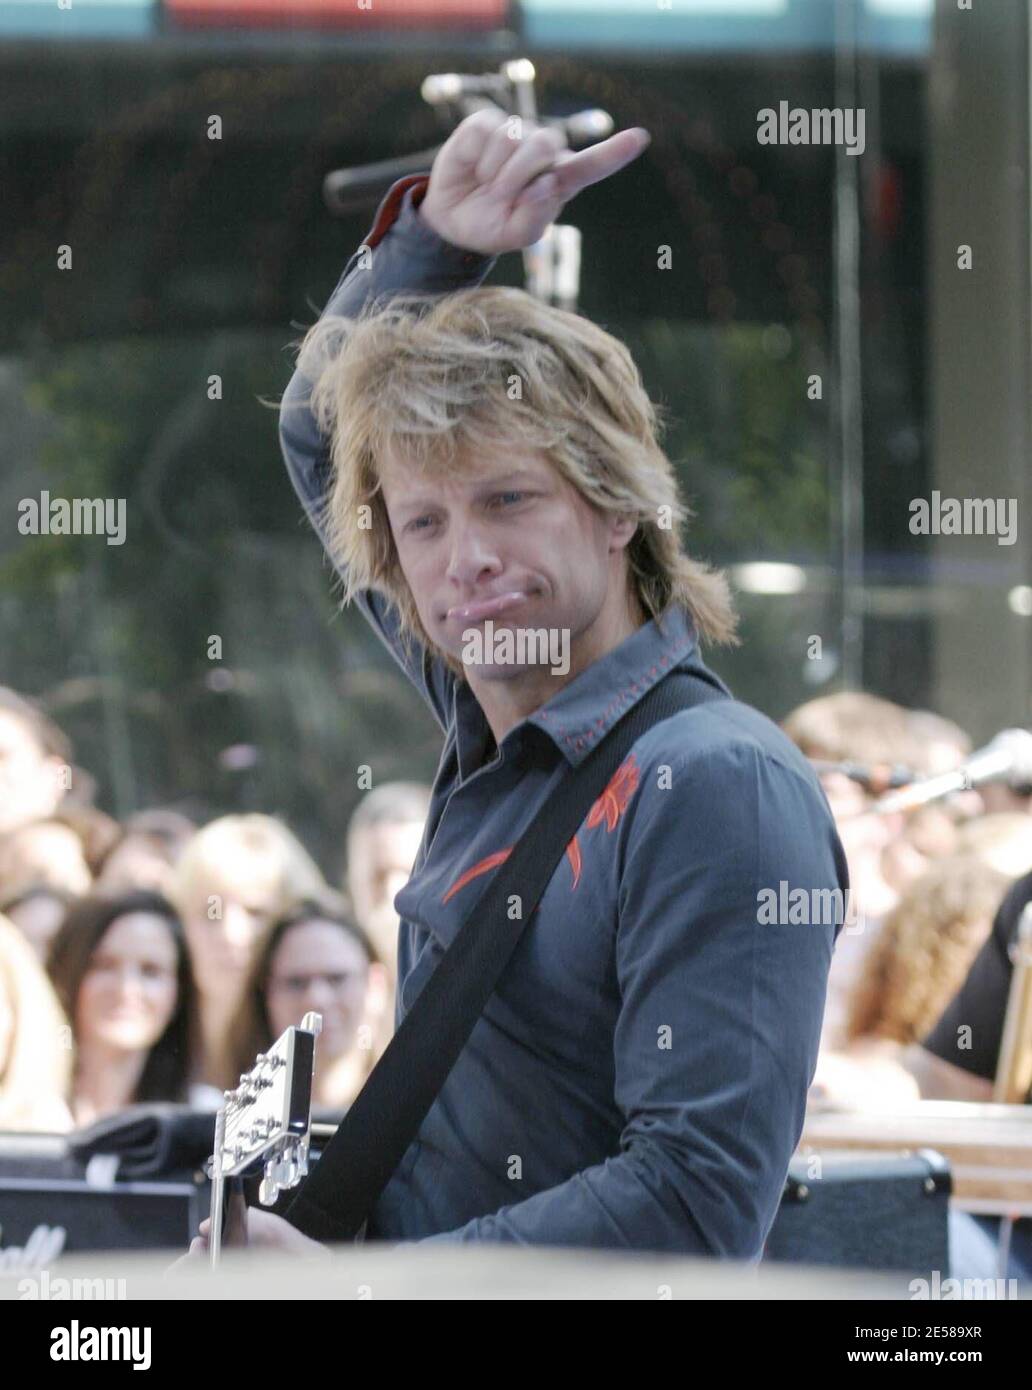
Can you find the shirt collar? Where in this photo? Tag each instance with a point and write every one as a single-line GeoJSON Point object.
{"type": "Point", "coordinates": [585, 709]}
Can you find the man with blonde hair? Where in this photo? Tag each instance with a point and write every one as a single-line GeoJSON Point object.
{"type": "Point", "coordinates": [480, 464]}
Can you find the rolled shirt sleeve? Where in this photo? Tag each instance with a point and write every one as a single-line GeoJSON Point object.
{"type": "Point", "coordinates": [720, 1017]}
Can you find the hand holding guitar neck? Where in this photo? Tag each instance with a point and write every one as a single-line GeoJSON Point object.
{"type": "Point", "coordinates": [264, 1125]}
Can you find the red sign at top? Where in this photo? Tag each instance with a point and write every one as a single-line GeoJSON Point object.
{"type": "Point", "coordinates": [339, 14]}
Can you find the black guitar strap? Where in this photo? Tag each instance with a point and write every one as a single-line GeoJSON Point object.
{"type": "Point", "coordinates": [336, 1198]}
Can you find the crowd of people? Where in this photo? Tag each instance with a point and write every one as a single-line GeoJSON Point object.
{"type": "Point", "coordinates": [929, 886]}
{"type": "Point", "coordinates": [153, 959]}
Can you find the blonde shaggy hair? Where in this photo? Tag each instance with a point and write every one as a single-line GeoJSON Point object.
{"type": "Point", "coordinates": [924, 950]}
{"type": "Point", "coordinates": [431, 379]}
{"type": "Point", "coordinates": [294, 874]}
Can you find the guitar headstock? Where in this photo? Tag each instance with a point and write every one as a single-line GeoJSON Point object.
{"type": "Point", "coordinates": [266, 1119]}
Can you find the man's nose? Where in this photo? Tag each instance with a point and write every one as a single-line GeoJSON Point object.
{"type": "Point", "coordinates": [472, 554]}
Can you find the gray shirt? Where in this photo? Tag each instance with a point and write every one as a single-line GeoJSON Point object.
{"type": "Point", "coordinates": [638, 1080]}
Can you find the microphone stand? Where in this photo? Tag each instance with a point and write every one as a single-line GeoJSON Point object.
{"type": "Point", "coordinates": [1013, 1080]}
{"type": "Point", "coordinates": [1008, 758]}
{"type": "Point", "coordinates": [1014, 1066]}
{"type": "Point", "coordinates": [551, 266]}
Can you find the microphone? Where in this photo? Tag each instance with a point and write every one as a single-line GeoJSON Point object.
{"type": "Point", "coordinates": [442, 87]}
{"type": "Point", "coordinates": [351, 190]}
{"type": "Point", "coordinates": [446, 88]}
{"type": "Point", "coordinates": [1007, 758]}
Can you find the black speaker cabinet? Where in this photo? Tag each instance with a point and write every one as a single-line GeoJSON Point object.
{"type": "Point", "coordinates": [864, 1210]}
{"type": "Point", "coordinates": [48, 1217]}
{"type": "Point", "coordinates": [52, 1203]}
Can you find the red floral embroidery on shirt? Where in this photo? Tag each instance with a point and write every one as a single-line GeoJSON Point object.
{"type": "Point", "coordinates": [609, 807]}
{"type": "Point", "coordinates": [573, 855]}
{"type": "Point", "coordinates": [613, 802]}
{"type": "Point", "coordinates": [484, 865]}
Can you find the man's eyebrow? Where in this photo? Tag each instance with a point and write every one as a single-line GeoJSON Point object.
{"type": "Point", "coordinates": [481, 485]}
{"type": "Point", "coordinates": [515, 475]}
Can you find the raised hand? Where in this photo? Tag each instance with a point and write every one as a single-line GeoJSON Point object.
{"type": "Point", "coordinates": [498, 181]}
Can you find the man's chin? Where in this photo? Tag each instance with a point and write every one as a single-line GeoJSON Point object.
{"type": "Point", "coordinates": [489, 671]}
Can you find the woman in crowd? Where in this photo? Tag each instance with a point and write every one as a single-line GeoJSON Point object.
{"type": "Point", "coordinates": [925, 951]}
{"type": "Point", "coordinates": [915, 967]}
{"type": "Point", "coordinates": [236, 875]}
{"type": "Point", "coordinates": [312, 958]}
{"type": "Point", "coordinates": [122, 973]}
{"type": "Point", "coordinates": [35, 1041]}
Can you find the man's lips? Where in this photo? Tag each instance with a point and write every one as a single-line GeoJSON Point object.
{"type": "Point", "coordinates": [486, 607]}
